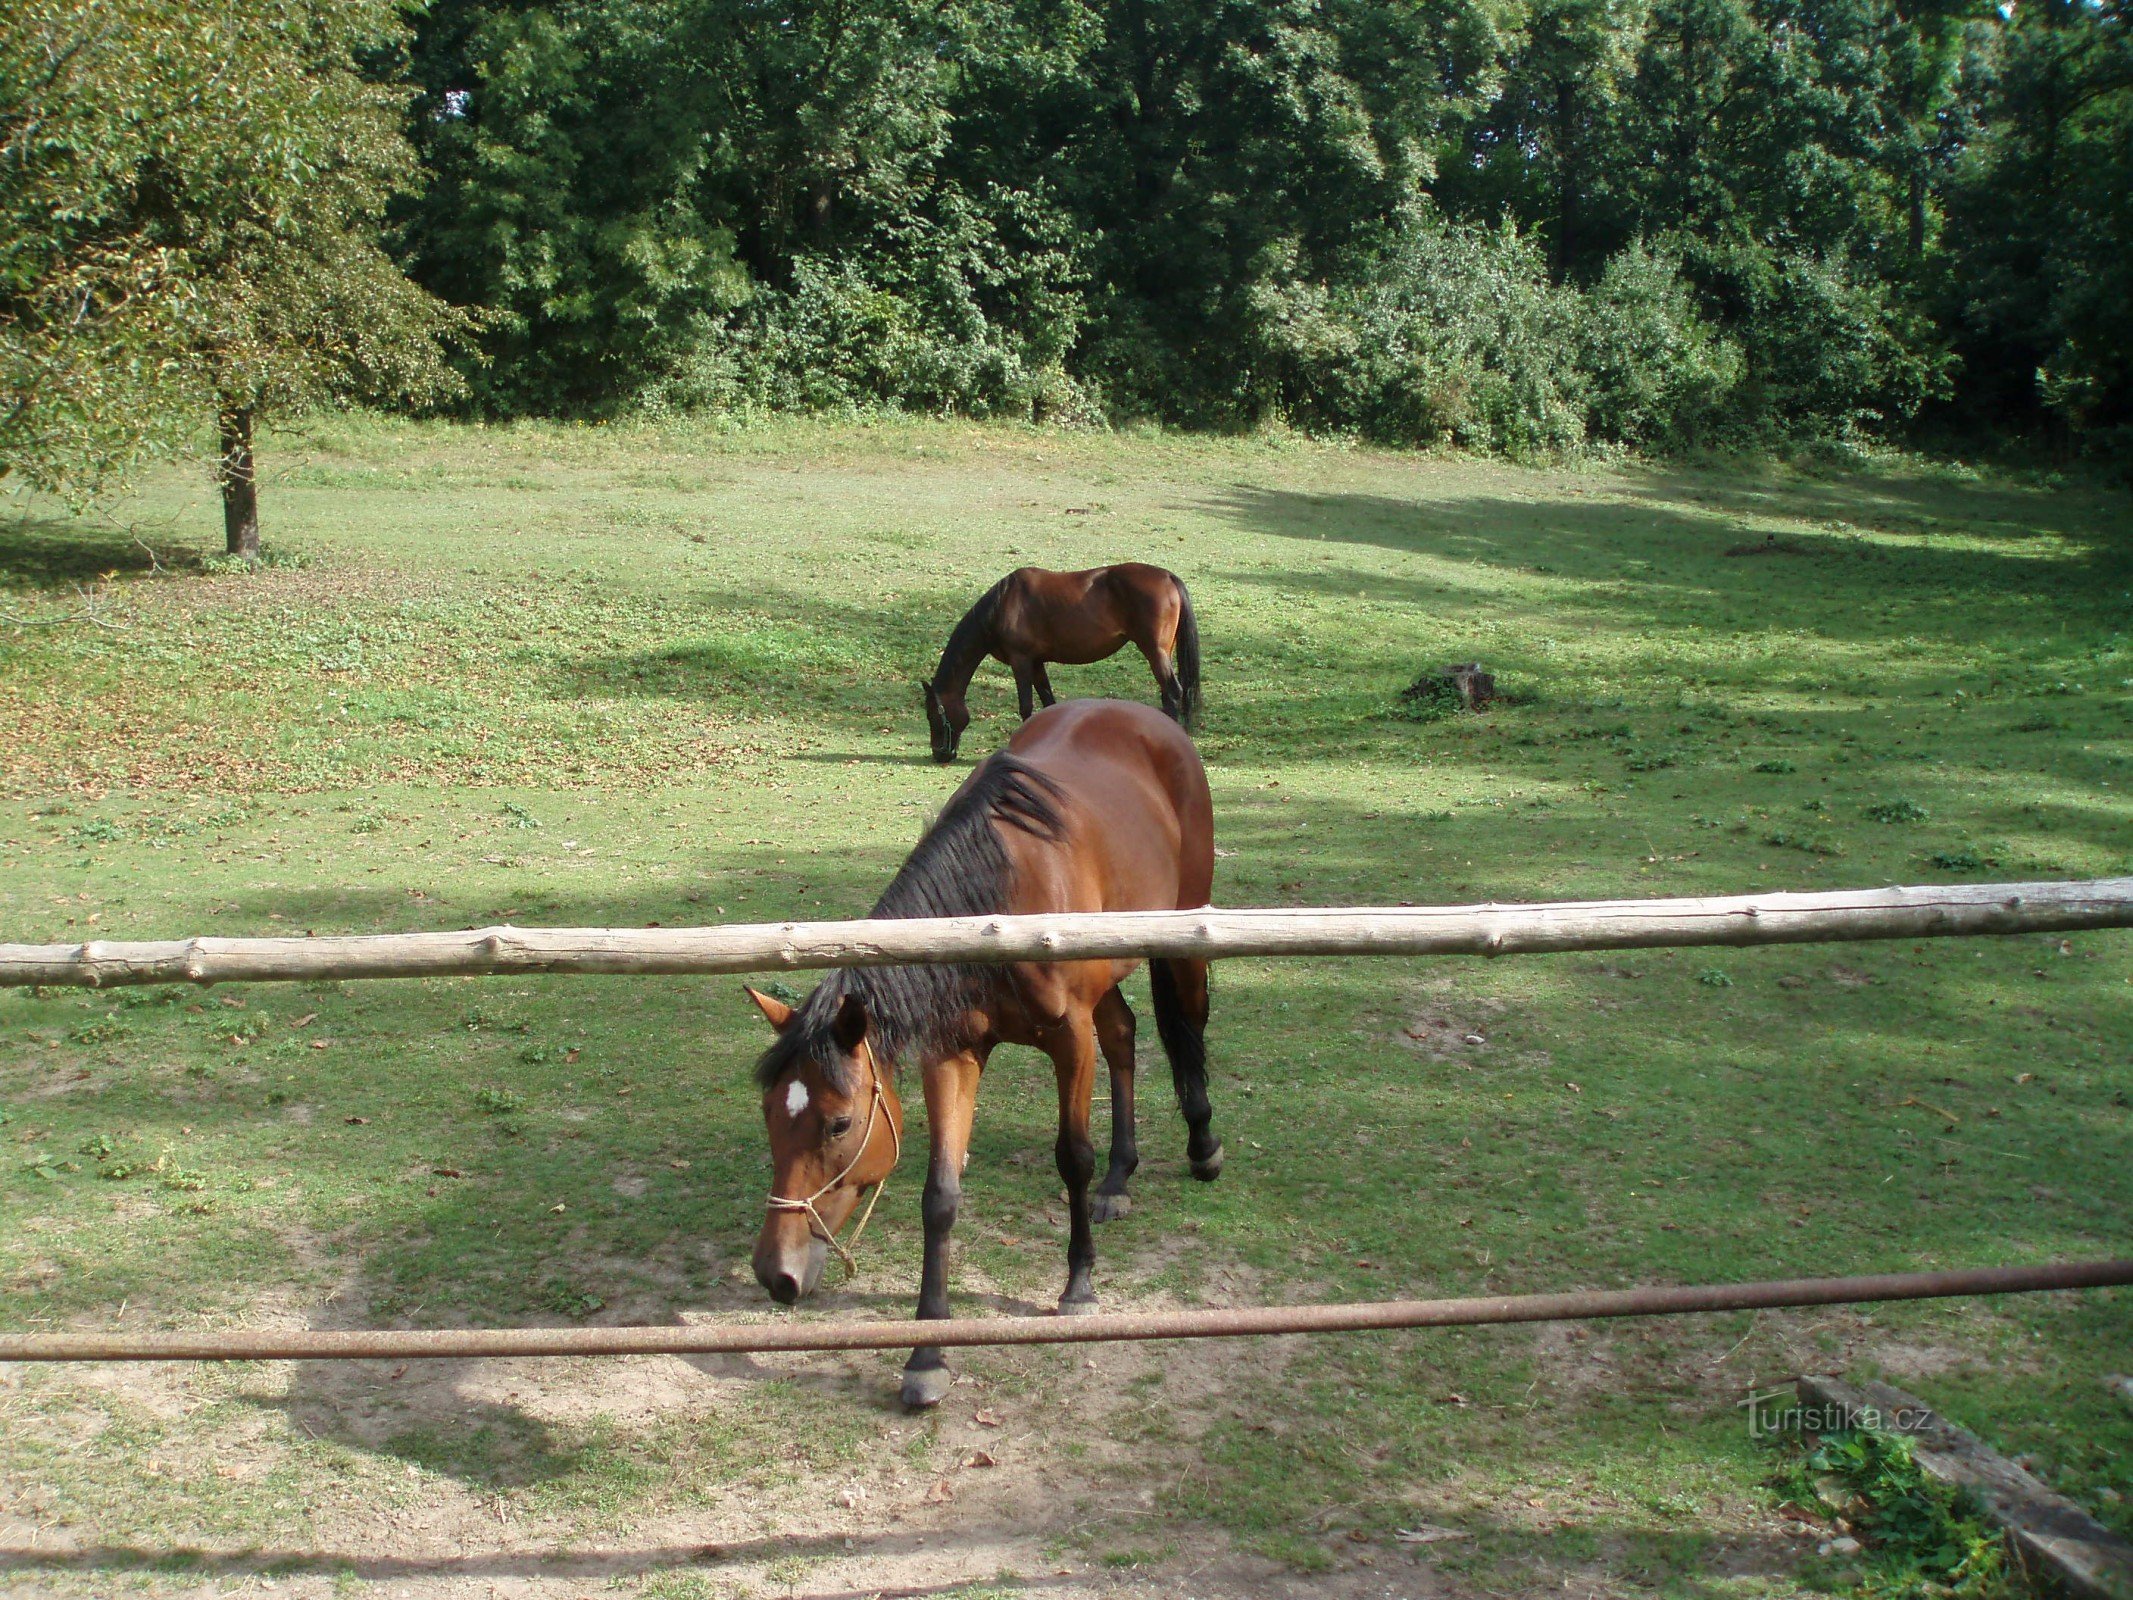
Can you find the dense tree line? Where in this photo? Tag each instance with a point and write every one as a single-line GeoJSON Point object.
{"type": "Point", "coordinates": [1516, 224]}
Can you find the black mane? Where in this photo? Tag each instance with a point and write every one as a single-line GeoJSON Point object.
{"type": "Point", "coordinates": [960, 869]}
{"type": "Point", "coordinates": [968, 641]}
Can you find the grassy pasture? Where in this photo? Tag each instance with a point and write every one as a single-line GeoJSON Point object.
{"type": "Point", "coordinates": [615, 677]}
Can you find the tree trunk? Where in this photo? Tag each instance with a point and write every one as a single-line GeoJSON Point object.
{"type": "Point", "coordinates": [240, 488]}
{"type": "Point", "coordinates": [1566, 179]}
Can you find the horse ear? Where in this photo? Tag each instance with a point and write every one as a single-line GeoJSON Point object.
{"type": "Point", "coordinates": [851, 1024]}
{"type": "Point", "coordinates": [776, 1011]}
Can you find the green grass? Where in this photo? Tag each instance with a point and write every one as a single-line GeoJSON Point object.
{"type": "Point", "coordinates": [615, 677]}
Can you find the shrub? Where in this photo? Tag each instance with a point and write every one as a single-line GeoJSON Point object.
{"type": "Point", "coordinates": [1829, 349]}
{"type": "Point", "coordinates": [1899, 809]}
{"type": "Point", "coordinates": [1451, 335]}
{"type": "Point", "coordinates": [971, 311]}
{"type": "Point", "coordinates": [1657, 372]}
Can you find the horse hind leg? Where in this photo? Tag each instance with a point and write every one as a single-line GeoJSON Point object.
{"type": "Point", "coordinates": [1115, 1033]}
{"type": "Point", "coordinates": [1179, 988]}
{"type": "Point", "coordinates": [1167, 682]}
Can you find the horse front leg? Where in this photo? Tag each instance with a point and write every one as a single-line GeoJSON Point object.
{"type": "Point", "coordinates": [1043, 681]}
{"type": "Point", "coordinates": [1074, 1065]}
{"type": "Point", "coordinates": [1114, 1033]}
{"type": "Point", "coordinates": [951, 1105]}
{"type": "Point", "coordinates": [1025, 683]}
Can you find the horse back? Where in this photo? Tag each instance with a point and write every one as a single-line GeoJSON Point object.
{"type": "Point", "coordinates": [1077, 617]}
{"type": "Point", "coordinates": [1139, 822]}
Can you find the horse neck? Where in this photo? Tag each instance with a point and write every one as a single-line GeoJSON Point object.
{"type": "Point", "coordinates": [967, 647]}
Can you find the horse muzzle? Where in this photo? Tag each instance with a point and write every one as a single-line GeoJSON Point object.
{"type": "Point", "coordinates": [787, 1273]}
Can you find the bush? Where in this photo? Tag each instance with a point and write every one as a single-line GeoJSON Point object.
{"type": "Point", "coordinates": [1450, 335]}
{"type": "Point", "coordinates": [1658, 374]}
{"type": "Point", "coordinates": [1829, 350]}
{"type": "Point", "coordinates": [970, 313]}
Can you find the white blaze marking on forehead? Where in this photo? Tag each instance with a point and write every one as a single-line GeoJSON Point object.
{"type": "Point", "coordinates": [795, 1098]}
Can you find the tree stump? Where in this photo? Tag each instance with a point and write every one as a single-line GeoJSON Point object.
{"type": "Point", "coordinates": [1463, 686]}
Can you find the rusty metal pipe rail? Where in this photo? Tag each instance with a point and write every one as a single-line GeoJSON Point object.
{"type": "Point", "coordinates": [794, 1335]}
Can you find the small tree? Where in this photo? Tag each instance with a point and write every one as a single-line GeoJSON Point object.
{"type": "Point", "coordinates": [95, 100]}
{"type": "Point", "coordinates": [204, 194]}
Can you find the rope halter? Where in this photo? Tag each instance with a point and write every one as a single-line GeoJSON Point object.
{"type": "Point", "coordinates": [816, 1227]}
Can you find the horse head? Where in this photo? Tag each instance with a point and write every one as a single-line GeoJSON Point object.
{"type": "Point", "coordinates": [947, 715]}
{"type": "Point", "coordinates": [836, 1130]}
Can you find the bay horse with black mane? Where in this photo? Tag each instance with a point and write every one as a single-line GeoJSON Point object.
{"type": "Point", "coordinates": [1032, 616]}
{"type": "Point", "coordinates": [1096, 805]}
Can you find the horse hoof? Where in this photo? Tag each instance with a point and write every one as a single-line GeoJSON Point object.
{"type": "Point", "coordinates": [1078, 1308]}
{"type": "Point", "coordinates": [1209, 1168]}
{"type": "Point", "coordinates": [1109, 1207]}
{"type": "Point", "coordinates": [927, 1387]}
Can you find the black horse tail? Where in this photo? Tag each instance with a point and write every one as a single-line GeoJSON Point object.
{"type": "Point", "coordinates": [1188, 657]}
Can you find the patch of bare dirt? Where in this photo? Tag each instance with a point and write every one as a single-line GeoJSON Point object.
{"type": "Point", "coordinates": [1446, 1033]}
{"type": "Point", "coordinates": [1036, 1466]}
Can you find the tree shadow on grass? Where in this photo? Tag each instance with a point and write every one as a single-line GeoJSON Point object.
{"type": "Point", "coordinates": [601, 1566]}
{"type": "Point", "coordinates": [1645, 568]}
{"type": "Point", "coordinates": [1895, 502]}
{"type": "Point", "coordinates": [56, 553]}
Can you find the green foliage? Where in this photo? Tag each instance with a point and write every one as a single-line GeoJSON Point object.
{"type": "Point", "coordinates": [1659, 372]}
{"type": "Point", "coordinates": [2035, 278]}
{"type": "Point", "coordinates": [1921, 1536]}
{"type": "Point", "coordinates": [1451, 335]}
{"type": "Point", "coordinates": [1526, 227]}
{"type": "Point", "coordinates": [1429, 698]}
{"type": "Point", "coordinates": [191, 213]}
{"type": "Point", "coordinates": [1900, 809]}
{"type": "Point", "coordinates": [568, 1300]}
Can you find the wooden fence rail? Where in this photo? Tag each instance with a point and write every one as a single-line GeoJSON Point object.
{"type": "Point", "coordinates": [1485, 930]}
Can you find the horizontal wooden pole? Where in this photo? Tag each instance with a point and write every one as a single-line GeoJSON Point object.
{"type": "Point", "coordinates": [1483, 930]}
{"type": "Point", "coordinates": [793, 1333]}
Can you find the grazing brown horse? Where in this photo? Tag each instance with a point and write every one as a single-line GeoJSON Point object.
{"type": "Point", "coordinates": [1096, 805]}
{"type": "Point", "coordinates": [1032, 616]}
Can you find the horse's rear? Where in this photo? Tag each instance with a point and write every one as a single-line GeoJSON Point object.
{"type": "Point", "coordinates": [1139, 817]}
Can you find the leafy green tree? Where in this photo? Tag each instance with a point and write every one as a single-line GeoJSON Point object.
{"type": "Point", "coordinates": [1548, 149]}
{"type": "Point", "coordinates": [196, 201]}
{"type": "Point", "coordinates": [94, 305]}
{"type": "Point", "coordinates": [565, 146]}
{"type": "Point", "coordinates": [2038, 280]}
{"type": "Point", "coordinates": [1755, 218]}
